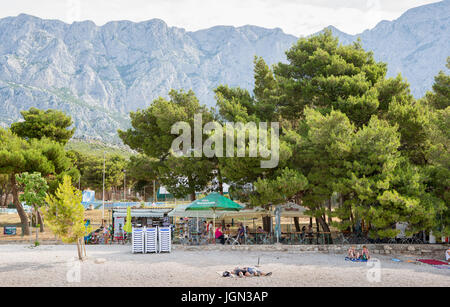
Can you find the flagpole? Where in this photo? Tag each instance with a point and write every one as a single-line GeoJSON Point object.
{"type": "Point", "coordinates": [214, 225]}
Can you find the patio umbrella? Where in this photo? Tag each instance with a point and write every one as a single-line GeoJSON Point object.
{"type": "Point", "coordinates": [127, 227]}
{"type": "Point", "coordinates": [214, 202]}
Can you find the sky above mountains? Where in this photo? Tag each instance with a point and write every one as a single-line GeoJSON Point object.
{"type": "Point", "coordinates": [297, 17]}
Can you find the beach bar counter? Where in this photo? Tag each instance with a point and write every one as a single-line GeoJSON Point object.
{"type": "Point", "coordinates": [140, 218]}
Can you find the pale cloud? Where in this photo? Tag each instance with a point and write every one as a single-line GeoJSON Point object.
{"type": "Point", "coordinates": [297, 17]}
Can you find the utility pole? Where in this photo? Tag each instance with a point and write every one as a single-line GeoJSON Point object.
{"type": "Point", "coordinates": [154, 191]}
{"type": "Point", "coordinates": [124, 183]}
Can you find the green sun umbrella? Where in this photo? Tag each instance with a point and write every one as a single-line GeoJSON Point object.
{"type": "Point", "coordinates": [214, 202]}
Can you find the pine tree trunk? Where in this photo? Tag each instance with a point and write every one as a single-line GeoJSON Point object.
{"type": "Point", "coordinates": [320, 221]}
{"type": "Point", "coordinates": [267, 221]}
{"type": "Point", "coordinates": [219, 177]}
{"type": "Point", "coordinates": [80, 256]}
{"type": "Point", "coordinates": [7, 192]}
{"type": "Point", "coordinates": [352, 221]}
{"type": "Point", "coordinates": [325, 228]}
{"type": "Point", "coordinates": [330, 219]}
{"type": "Point", "coordinates": [37, 235]}
{"type": "Point", "coordinates": [193, 196]}
{"type": "Point", "coordinates": [84, 247]}
{"type": "Point", "coordinates": [22, 214]}
{"type": "Point", "coordinates": [297, 224]}
{"type": "Point", "coordinates": [221, 187]}
{"type": "Point", "coordinates": [40, 221]}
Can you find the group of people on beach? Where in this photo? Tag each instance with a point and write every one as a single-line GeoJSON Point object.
{"type": "Point", "coordinates": [353, 254]}
{"type": "Point", "coordinates": [222, 233]}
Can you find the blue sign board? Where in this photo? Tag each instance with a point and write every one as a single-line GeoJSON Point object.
{"type": "Point", "coordinates": [10, 230]}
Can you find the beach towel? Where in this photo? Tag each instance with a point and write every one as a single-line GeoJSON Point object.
{"type": "Point", "coordinates": [442, 266]}
{"type": "Point", "coordinates": [355, 259]}
{"type": "Point", "coordinates": [396, 260]}
{"type": "Point", "coordinates": [432, 261]}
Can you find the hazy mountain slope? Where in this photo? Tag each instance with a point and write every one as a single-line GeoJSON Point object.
{"type": "Point", "coordinates": [416, 45]}
{"type": "Point", "coordinates": [99, 74]}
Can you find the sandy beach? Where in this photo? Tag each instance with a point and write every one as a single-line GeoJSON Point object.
{"type": "Point", "coordinates": [51, 265]}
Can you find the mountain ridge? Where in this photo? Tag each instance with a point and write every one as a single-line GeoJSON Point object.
{"type": "Point", "coordinates": [98, 74]}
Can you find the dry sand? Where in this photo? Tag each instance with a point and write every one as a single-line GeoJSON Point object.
{"type": "Point", "coordinates": [48, 265]}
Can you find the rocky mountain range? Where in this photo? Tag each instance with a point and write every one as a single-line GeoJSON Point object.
{"type": "Point", "coordinates": [98, 74]}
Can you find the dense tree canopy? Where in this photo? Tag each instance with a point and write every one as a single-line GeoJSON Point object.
{"type": "Point", "coordinates": [348, 131]}
{"type": "Point", "coordinates": [151, 134]}
{"type": "Point", "coordinates": [37, 124]}
{"type": "Point", "coordinates": [45, 156]}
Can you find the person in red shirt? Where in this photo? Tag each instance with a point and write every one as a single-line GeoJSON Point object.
{"type": "Point", "coordinates": [219, 235]}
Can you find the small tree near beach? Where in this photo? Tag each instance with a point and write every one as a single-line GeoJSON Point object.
{"type": "Point", "coordinates": [34, 194]}
{"type": "Point", "coordinates": [64, 214]}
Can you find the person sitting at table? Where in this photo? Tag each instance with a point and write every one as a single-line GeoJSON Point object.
{"type": "Point", "coordinates": [241, 233]}
{"type": "Point", "coordinates": [227, 230]}
{"type": "Point", "coordinates": [210, 231]}
{"type": "Point", "coordinates": [205, 228]}
{"type": "Point", "coordinates": [220, 235]}
{"type": "Point", "coordinates": [106, 235]}
{"type": "Point", "coordinates": [309, 234]}
{"type": "Point", "coordinates": [303, 232]}
{"type": "Point", "coordinates": [259, 236]}
{"type": "Point", "coordinates": [94, 238]}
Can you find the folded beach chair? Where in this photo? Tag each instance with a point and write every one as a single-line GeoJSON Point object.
{"type": "Point", "coordinates": [137, 240]}
{"type": "Point", "coordinates": [151, 235]}
{"type": "Point", "coordinates": [164, 239]}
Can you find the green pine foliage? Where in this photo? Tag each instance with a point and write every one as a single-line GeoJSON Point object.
{"type": "Point", "coordinates": [64, 212]}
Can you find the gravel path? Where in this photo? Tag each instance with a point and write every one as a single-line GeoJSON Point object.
{"type": "Point", "coordinates": [50, 265]}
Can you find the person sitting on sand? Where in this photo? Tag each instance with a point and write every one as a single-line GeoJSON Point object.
{"type": "Point", "coordinates": [364, 254]}
{"type": "Point", "coordinates": [351, 253]}
{"type": "Point", "coordinates": [447, 255]}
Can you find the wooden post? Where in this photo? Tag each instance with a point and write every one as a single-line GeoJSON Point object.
{"type": "Point", "coordinates": [84, 247]}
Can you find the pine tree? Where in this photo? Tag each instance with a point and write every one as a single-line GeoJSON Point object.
{"type": "Point", "coordinates": [64, 214]}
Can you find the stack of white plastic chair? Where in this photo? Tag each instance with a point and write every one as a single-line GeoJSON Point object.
{"type": "Point", "coordinates": [137, 240]}
{"type": "Point", "coordinates": [164, 238]}
{"type": "Point", "coordinates": [151, 240]}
